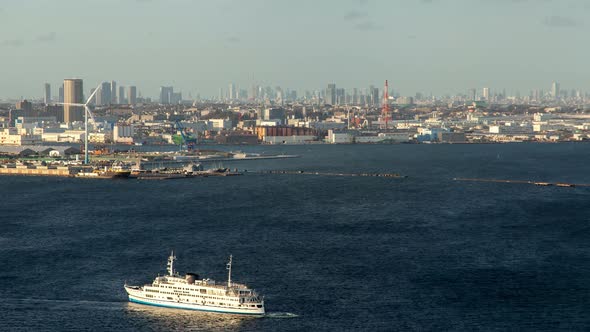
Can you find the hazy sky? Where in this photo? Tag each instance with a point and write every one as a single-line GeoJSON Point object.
{"type": "Point", "coordinates": [439, 46]}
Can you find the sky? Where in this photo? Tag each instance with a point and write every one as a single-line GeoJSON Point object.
{"type": "Point", "coordinates": [197, 46]}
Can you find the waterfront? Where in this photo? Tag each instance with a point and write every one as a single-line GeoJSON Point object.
{"type": "Point", "coordinates": [341, 253]}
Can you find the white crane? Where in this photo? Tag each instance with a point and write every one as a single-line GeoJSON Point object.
{"type": "Point", "coordinates": [86, 114]}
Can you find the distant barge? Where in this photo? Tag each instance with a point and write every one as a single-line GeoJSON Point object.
{"type": "Point", "coordinates": [172, 175]}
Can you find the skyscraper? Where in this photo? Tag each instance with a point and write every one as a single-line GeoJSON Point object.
{"type": "Point", "coordinates": [93, 100]}
{"type": "Point", "coordinates": [165, 94]}
{"type": "Point", "coordinates": [331, 94]}
{"type": "Point", "coordinates": [232, 92]}
{"type": "Point", "coordinates": [73, 93]}
{"type": "Point", "coordinates": [121, 95]}
{"type": "Point", "coordinates": [61, 94]}
{"type": "Point", "coordinates": [486, 94]}
{"type": "Point", "coordinates": [253, 92]}
{"type": "Point", "coordinates": [132, 95]}
{"type": "Point", "coordinates": [47, 98]}
{"type": "Point", "coordinates": [472, 95]}
{"type": "Point", "coordinates": [113, 92]}
{"type": "Point", "coordinates": [374, 99]}
{"type": "Point", "coordinates": [555, 90]}
{"type": "Point", "coordinates": [104, 95]}
{"type": "Point", "coordinates": [340, 96]}
{"type": "Point", "coordinates": [355, 96]}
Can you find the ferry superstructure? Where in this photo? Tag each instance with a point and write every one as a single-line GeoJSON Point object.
{"type": "Point", "coordinates": [190, 292]}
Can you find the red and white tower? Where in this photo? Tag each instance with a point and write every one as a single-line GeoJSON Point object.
{"type": "Point", "coordinates": [385, 107]}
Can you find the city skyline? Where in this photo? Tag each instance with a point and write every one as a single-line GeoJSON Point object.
{"type": "Point", "coordinates": [434, 46]}
{"type": "Point", "coordinates": [110, 93]}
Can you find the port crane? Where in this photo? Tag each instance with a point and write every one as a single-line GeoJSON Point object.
{"type": "Point", "coordinates": [190, 142]}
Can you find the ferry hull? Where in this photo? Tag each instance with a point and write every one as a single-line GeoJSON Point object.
{"type": "Point", "coordinates": [187, 306]}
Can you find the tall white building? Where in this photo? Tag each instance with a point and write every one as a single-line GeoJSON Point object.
{"type": "Point", "coordinates": [486, 94]}
{"type": "Point", "coordinates": [555, 90]}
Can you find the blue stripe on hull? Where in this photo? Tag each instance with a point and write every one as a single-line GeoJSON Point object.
{"type": "Point", "coordinates": [172, 307]}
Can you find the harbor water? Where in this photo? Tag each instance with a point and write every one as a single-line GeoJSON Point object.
{"type": "Point", "coordinates": [421, 253]}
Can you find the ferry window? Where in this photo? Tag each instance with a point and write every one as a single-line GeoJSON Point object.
{"type": "Point", "coordinates": [259, 306]}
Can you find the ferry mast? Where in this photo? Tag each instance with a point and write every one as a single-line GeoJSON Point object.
{"type": "Point", "coordinates": [229, 272]}
{"type": "Point", "coordinates": [171, 264]}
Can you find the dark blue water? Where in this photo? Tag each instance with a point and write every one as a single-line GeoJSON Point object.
{"type": "Point", "coordinates": [339, 253]}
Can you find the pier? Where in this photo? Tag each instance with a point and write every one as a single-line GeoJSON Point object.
{"type": "Point", "coordinates": [384, 175]}
{"type": "Point", "coordinates": [536, 183]}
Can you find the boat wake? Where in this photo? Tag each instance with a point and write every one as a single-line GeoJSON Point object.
{"type": "Point", "coordinates": [279, 315]}
{"type": "Point", "coordinates": [73, 302]}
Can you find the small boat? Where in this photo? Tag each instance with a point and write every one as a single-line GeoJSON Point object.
{"type": "Point", "coordinates": [565, 185]}
{"type": "Point", "coordinates": [115, 172]}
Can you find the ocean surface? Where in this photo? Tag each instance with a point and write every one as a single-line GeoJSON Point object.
{"type": "Point", "coordinates": [422, 253]}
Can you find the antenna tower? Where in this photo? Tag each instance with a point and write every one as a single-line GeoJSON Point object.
{"type": "Point", "coordinates": [385, 109]}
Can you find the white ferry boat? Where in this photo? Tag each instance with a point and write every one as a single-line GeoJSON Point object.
{"type": "Point", "coordinates": [190, 292]}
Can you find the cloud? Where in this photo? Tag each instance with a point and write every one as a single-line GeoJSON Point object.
{"type": "Point", "coordinates": [355, 15]}
{"type": "Point", "coordinates": [13, 42]}
{"type": "Point", "coordinates": [367, 26]}
{"type": "Point", "coordinates": [560, 22]}
{"type": "Point", "coordinates": [47, 37]}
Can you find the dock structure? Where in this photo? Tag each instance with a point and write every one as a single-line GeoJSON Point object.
{"type": "Point", "coordinates": [385, 175]}
{"type": "Point", "coordinates": [536, 183]}
{"type": "Point", "coordinates": [39, 170]}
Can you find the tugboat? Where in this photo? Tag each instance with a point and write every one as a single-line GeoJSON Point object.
{"type": "Point", "coordinates": [193, 293]}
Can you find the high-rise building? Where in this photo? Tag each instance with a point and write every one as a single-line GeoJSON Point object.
{"type": "Point", "coordinates": [232, 92]}
{"type": "Point", "coordinates": [253, 92]}
{"type": "Point", "coordinates": [330, 98]}
{"type": "Point", "coordinates": [472, 95]}
{"type": "Point", "coordinates": [94, 98]}
{"type": "Point", "coordinates": [175, 98]}
{"type": "Point", "coordinates": [73, 93]}
{"type": "Point", "coordinates": [165, 94]}
{"type": "Point", "coordinates": [355, 96]}
{"type": "Point", "coordinates": [340, 96]}
{"type": "Point", "coordinates": [47, 97]}
{"type": "Point", "coordinates": [374, 99]}
{"type": "Point", "coordinates": [104, 95]}
{"type": "Point", "coordinates": [121, 95]}
{"type": "Point", "coordinates": [113, 92]}
{"type": "Point", "coordinates": [555, 90]}
{"type": "Point", "coordinates": [486, 94]}
{"type": "Point", "coordinates": [25, 106]}
{"type": "Point", "coordinates": [61, 94]}
{"type": "Point", "coordinates": [132, 95]}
